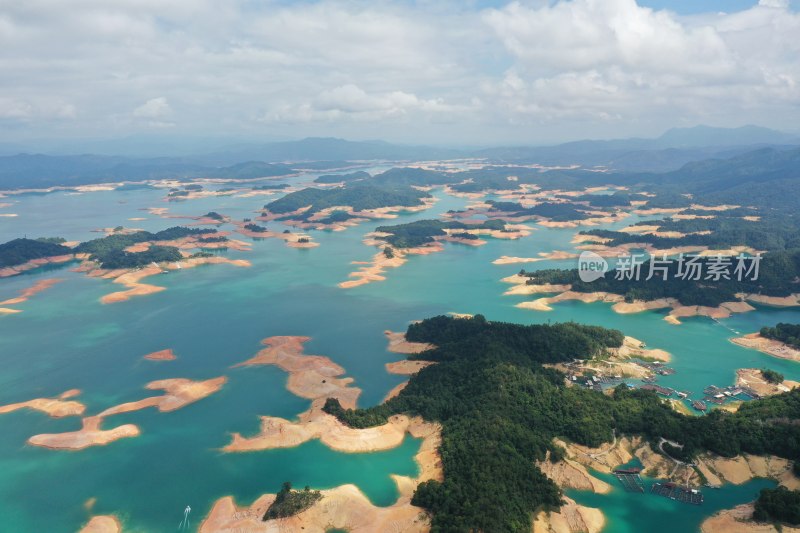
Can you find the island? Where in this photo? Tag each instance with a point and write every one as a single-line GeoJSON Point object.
{"type": "Point", "coordinates": [502, 412]}
{"type": "Point", "coordinates": [685, 296]}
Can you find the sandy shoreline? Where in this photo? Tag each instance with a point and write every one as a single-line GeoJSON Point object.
{"type": "Point", "coordinates": [36, 288]}
{"type": "Point", "coordinates": [399, 344]}
{"type": "Point", "coordinates": [556, 255]}
{"type": "Point", "coordinates": [772, 347]}
{"type": "Point", "coordinates": [357, 217]}
{"type": "Point", "coordinates": [543, 304]}
{"type": "Point", "coordinates": [776, 301]}
{"type": "Point", "coordinates": [132, 279]}
{"type": "Point", "coordinates": [179, 392]}
{"type": "Point", "coordinates": [622, 362]}
{"type": "Point", "coordinates": [314, 377]}
{"type": "Point", "coordinates": [739, 520]}
{"type": "Point", "coordinates": [317, 378]}
{"type": "Point", "coordinates": [345, 506]}
{"type": "Point", "coordinates": [752, 377]}
{"type": "Point", "coordinates": [161, 355]}
{"type": "Point", "coordinates": [102, 524]}
{"type": "Point", "coordinates": [35, 263]}
{"type": "Point", "coordinates": [292, 240]}
{"type": "Point", "coordinates": [54, 407]}
{"type": "Point", "coordinates": [634, 348]}
{"type": "Point", "coordinates": [373, 270]}
{"type": "Point", "coordinates": [564, 293]}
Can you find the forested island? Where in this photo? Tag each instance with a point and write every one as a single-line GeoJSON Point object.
{"type": "Point", "coordinates": [358, 196]}
{"type": "Point", "coordinates": [554, 211]}
{"type": "Point", "coordinates": [421, 232]}
{"type": "Point", "coordinates": [289, 502]}
{"type": "Point", "coordinates": [20, 251]}
{"type": "Point", "coordinates": [339, 178]}
{"type": "Point", "coordinates": [786, 333]}
{"type": "Point", "coordinates": [779, 506]}
{"type": "Point", "coordinates": [721, 230]}
{"type": "Point", "coordinates": [110, 252]}
{"type": "Point", "coordinates": [777, 273]}
{"type": "Point", "coordinates": [500, 410]}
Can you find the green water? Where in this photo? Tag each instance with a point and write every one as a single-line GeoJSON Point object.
{"type": "Point", "coordinates": [633, 512]}
{"type": "Point", "coordinates": [215, 316]}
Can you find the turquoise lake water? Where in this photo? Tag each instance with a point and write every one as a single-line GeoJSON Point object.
{"type": "Point", "coordinates": [215, 316]}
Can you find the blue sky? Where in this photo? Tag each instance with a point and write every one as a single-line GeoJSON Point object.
{"type": "Point", "coordinates": [690, 7]}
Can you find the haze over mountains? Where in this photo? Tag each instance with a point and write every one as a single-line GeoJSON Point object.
{"type": "Point", "coordinates": [668, 152]}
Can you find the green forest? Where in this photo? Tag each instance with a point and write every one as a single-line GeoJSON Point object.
{"type": "Point", "coordinates": [356, 195]}
{"type": "Point", "coordinates": [500, 410]}
{"type": "Point", "coordinates": [110, 252]}
{"type": "Point", "coordinates": [786, 333]}
{"type": "Point", "coordinates": [289, 502]}
{"type": "Point", "coordinates": [776, 277]}
{"type": "Point", "coordinates": [552, 210]}
{"type": "Point", "coordinates": [769, 233]}
{"type": "Point", "coordinates": [337, 178]}
{"type": "Point", "coordinates": [20, 251]}
{"type": "Point", "coordinates": [422, 232]}
{"type": "Point", "coordinates": [779, 505]}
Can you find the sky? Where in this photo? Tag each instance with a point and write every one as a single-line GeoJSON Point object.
{"type": "Point", "coordinates": [446, 72]}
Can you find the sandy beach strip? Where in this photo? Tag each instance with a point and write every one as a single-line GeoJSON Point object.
{"type": "Point", "coordinates": [179, 392]}
{"type": "Point", "coordinates": [775, 301]}
{"type": "Point", "coordinates": [36, 288]}
{"type": "Point", "coordinates": [739, 520]}
{"type": "Point", "coordinates": [399, 344]}
{"type": "Point", "coordinates": [344, 506]}
{"type": "Point", "coordinates": [132, 279]}
{"type": "Point", "coordinates": [771, 347]}
{"type": "Point", "coordinates": [754, 379]}
{"type": "Point", "coordinates": [33, 264]}
{"type": "Point", "coordinates": [102, 524]}
{"type": "Point", "coordinates": [564, 293]}
{"type": "Point", "coordinates": [161, 355]}
{"type": "Point", "coordinates": [724, 310]}
{"type": "Point", "coordinates": [543, 304]}
{"type": "Point", "coordinates": [373, 270]}
{"type": "Point", "coordinates": [53, 407]}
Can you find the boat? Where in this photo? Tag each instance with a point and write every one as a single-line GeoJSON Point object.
{"type": "Point", "coordinates": [699, 405]}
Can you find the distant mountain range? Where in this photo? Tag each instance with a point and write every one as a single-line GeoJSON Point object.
{"type": "Point", "coordinates": [37, 171]}
{"type": "Point", "coordinates": [669, 152]}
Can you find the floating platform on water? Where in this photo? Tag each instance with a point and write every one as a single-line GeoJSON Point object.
{"type": "Point", "coordinates": [630, 479]}
{"type": "Point", "coordinates": [664, 391]}
{"type": "Point", "coordinates": [676, 492]}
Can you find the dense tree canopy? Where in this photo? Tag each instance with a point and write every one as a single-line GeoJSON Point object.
{"type": "Point", "coordinates": [786, 333]}
{"type": "Point", "coordinates": [110, 251]}
{"type": "Point", "coordinates": [356, 195]}
{"type": "Point", "coordinates": [422, 232]}
{"type": "Point", "coordinates": [779, 505]}
{"type": "Point", "coordinates": [777, 272]}
{"type": "Point", "coordinates": [501, 409]}
{"type": "Point", "coordinates": [19, 251]}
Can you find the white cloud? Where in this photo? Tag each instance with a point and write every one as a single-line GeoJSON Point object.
{"type": "Point", "coordinates": [600, 60]}
{"type": "Point", "coordinates": [351, 103]}
{"type": "Point", "coordinates": [774, 3]}
{"type": "Point", "coordinates": [153, 108]}
{"type": "Point", "coordinates": [423, 71]}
